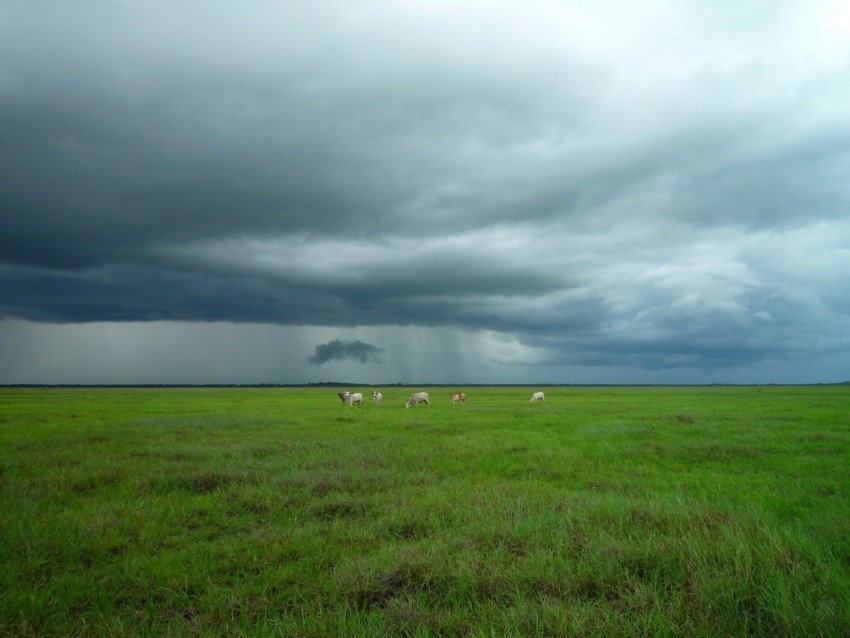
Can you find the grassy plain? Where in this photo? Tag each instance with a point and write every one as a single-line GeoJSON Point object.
{"type": "Point", "coordinates": [280, 512]}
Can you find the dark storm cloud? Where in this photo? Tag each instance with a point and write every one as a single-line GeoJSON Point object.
{"type": "Point", "coordinates": [649, 190]}
{"type": "Point", "coordinates": [338, 350]}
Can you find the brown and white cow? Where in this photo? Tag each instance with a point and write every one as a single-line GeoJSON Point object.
{"type": "Point", "coordinates": [457, 397]}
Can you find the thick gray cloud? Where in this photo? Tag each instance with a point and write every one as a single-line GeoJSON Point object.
{"type": "Point", "coordinates": [609, 186]}
{"type": "Point", "coordinates": [338, 350]}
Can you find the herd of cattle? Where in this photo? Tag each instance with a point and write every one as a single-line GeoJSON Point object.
{"type": "Point", "coordinates": [356, 398]}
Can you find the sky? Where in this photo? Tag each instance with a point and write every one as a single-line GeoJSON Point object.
{"type": "Point", "coordinates": [424, 191]}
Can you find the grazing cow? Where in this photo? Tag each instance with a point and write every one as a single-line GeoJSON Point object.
{"type": "Point", "coordinates": [457, 397]}
{"type": "Point", "coordinates": [355, 398]}
{"type": "Point", "coordinates": [537, 396]}
{"type": "Point", "coordinates": [417, 398]}
{"type": "Point", "coordinates": [343, 396]}
{"type": "Point", "coordinates": [377, 397]}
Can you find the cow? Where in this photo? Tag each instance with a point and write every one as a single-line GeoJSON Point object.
{"type": "Point", "coordinates": [343, 396]}
{"type": "Point", "coordinates": [417, 398]}
{"type": "Point", "coordinates": [457, 397]}
{"type": "Point", "coordinates": [355, 398]}
{"type": "Point", "coordinates": [377, 397]}
{"type": "Point", "coordinates": [537, 396]}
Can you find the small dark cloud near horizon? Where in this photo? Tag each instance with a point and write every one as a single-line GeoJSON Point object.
{"type": "Point", "coordinates": [338, 350]}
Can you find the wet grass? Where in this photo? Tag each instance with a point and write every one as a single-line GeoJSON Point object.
{"type": "Point", "coordinates": [281, 512]}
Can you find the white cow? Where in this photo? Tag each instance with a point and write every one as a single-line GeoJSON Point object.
{"type": "Point", "coordinates": [356, 397]}
{"type": "Point", "coordinates": [537, 396]}
{"type": "Point", "coordinates": [343, 396]}
{"type": "Point", "coordinates": [417, 398]}
{"type": "Point", "coordinates": [377, 397]}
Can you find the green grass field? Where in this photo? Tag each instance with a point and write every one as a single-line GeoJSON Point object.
{"type": "Point", "coordinates": [281, 512]}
